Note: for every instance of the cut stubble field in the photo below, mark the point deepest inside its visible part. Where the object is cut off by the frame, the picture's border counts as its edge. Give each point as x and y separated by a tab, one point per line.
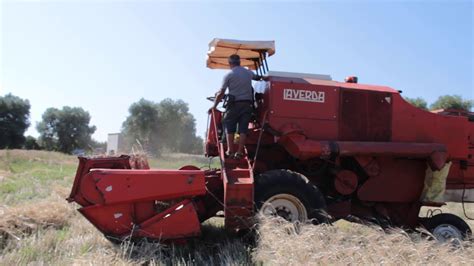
37	226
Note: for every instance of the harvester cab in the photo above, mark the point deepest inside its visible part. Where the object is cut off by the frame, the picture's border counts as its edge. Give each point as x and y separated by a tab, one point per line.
253	55
318	150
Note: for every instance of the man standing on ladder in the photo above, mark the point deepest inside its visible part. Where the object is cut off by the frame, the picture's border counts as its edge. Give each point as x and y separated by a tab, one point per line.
238	104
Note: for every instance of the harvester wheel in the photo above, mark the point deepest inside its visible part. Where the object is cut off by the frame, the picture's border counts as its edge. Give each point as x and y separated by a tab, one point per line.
290	195
446	226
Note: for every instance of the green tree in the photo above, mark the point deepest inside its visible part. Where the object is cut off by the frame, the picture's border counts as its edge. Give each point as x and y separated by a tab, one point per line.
142	124
177	125
167	125
65	129
451	102
14	120
31	144
418	102
188	141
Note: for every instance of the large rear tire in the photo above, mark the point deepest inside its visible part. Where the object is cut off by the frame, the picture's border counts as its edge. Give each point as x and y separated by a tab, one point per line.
447	226
289	195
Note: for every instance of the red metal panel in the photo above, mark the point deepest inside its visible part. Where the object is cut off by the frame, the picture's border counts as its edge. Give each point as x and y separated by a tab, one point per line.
468	176
354	116
365	115
313	128
293	100
141	185
179	221
85	165
143	211
110	219
398	181
312	108
411	124
393	149
238	198
461	177
379	116
88	190
303	148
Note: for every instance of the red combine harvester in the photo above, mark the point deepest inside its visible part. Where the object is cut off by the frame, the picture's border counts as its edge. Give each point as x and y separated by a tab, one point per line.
317	149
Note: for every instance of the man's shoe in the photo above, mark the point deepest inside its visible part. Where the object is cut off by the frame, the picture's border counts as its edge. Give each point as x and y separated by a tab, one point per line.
238	156
229	154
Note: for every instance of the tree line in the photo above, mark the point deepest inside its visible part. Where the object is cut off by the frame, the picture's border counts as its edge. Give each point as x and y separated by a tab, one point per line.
158	127
443	102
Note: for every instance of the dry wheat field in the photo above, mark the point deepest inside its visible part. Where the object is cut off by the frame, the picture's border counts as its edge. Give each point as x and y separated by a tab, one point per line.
38	227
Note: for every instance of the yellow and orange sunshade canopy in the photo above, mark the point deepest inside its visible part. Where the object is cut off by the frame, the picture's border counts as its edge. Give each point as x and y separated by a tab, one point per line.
250	52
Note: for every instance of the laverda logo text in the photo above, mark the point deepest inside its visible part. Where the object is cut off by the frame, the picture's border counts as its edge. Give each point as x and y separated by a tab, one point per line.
303	95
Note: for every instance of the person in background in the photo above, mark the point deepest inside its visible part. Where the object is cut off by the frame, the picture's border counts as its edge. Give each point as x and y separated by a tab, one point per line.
238	104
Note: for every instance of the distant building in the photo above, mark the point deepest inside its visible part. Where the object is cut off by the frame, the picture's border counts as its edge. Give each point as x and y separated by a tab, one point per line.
114	144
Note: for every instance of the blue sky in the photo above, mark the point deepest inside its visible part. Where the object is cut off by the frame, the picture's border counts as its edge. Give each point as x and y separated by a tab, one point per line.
105	55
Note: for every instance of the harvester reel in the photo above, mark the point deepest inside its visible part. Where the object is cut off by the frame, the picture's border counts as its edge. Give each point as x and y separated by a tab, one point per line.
289	195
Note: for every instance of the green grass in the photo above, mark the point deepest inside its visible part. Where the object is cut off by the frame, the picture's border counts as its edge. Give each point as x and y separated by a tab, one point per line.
33	177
